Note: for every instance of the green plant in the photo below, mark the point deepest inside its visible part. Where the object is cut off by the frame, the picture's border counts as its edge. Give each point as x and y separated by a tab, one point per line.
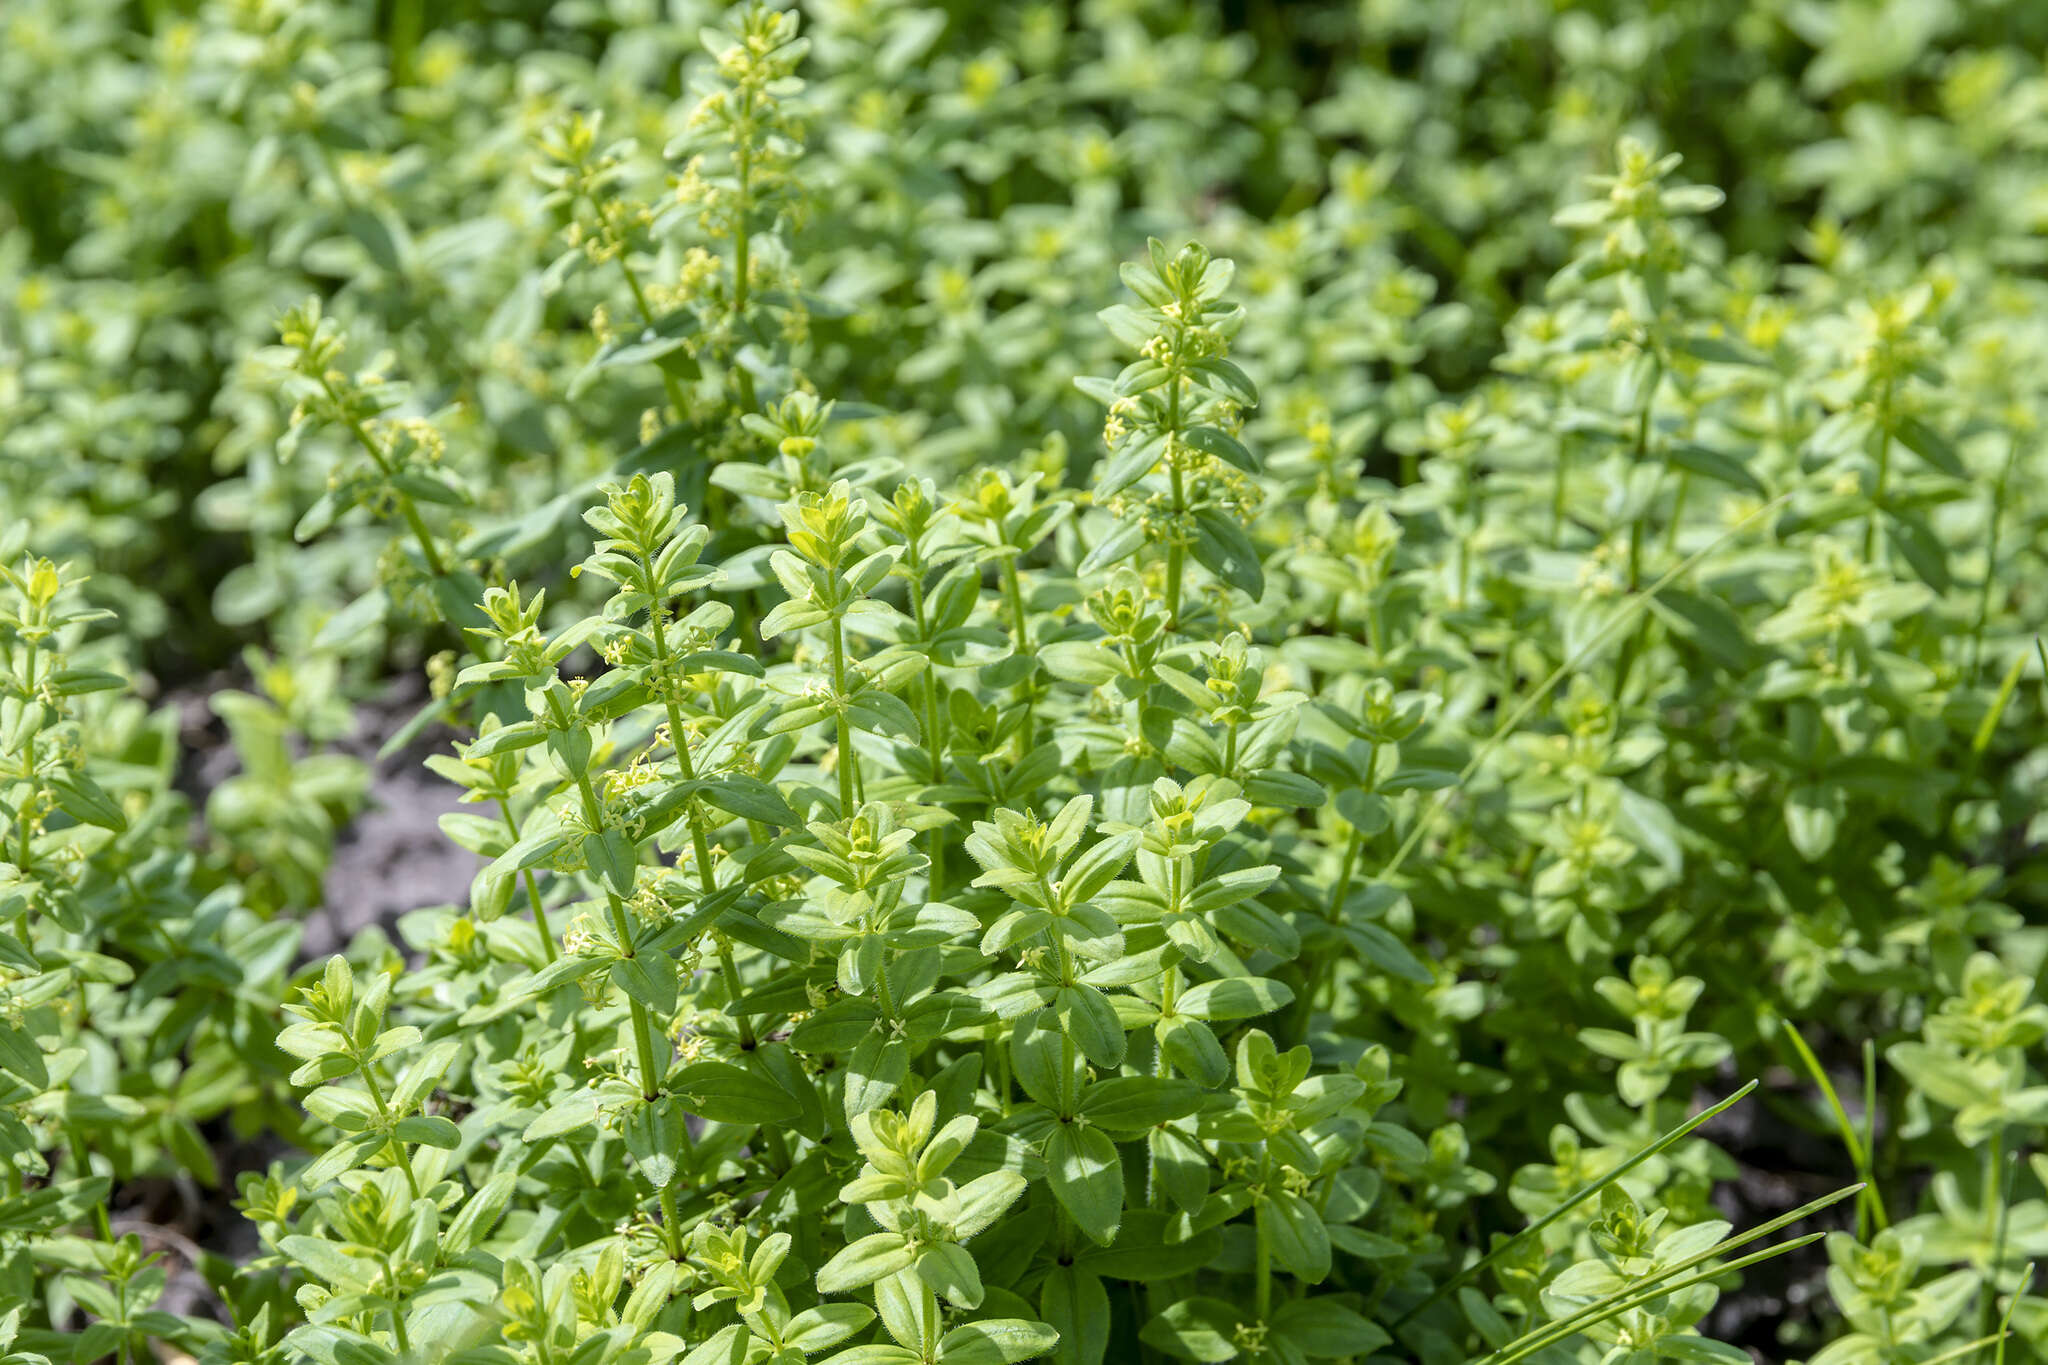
1034	790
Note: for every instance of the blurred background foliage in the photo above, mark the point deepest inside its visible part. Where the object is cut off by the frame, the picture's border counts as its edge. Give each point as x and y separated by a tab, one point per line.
177	174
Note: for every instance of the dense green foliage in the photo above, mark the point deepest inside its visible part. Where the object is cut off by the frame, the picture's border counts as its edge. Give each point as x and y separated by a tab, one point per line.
1128	682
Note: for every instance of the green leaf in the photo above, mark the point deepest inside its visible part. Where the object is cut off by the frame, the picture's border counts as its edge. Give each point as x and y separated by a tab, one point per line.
19	1054
1135	1103
1139	377
1203	1330
1080	661
863	1261
751	799
430	1129
85	801
1931	446
1145	283
331	1263
1226	378
1087	1177
1379	947
826	1325
1813	812
1224	446
1921	547
1130	462
1086	1015
1295	1232
877	1068
1705	1350
877	1353
572	1113
1708	624
610	854
1222	548
1323	1328
1234	997
1097	868
1143	1252
948	1269
1714	464
519	735
1719	350
1277	787
77	682
879	712
1075	1305
1040	1061
997	1341
725	1093
319	516
1193	1049
1181	1165
342	630
649	978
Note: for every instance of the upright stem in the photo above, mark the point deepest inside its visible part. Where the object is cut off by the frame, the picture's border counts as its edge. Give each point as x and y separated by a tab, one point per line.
395	1147
435	564
1559	473
846	755
1342	889
25	846
1303	1012
668	381
1169	991
1262	1286
643	1022
1353	844
1013	590
1003	1086
2012	452
935	873
1884	465
1994	1157
540	914
1176	552
81	1157
1465	531
1642	452
671	1222
1995	1210
742	243
700	845
651	1073
1677	512
778	1148
1625	663
1635	553
731	972
408	21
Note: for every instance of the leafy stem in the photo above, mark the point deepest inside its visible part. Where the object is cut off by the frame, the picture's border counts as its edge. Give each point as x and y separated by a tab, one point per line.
395	1148
846	764
548	948
622	930
406	507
